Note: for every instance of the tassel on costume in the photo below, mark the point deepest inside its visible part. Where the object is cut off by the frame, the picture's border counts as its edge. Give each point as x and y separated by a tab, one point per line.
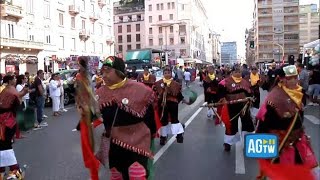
217	121
158	122
225	118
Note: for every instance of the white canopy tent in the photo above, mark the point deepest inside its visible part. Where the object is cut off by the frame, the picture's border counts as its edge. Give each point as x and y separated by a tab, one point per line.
310	45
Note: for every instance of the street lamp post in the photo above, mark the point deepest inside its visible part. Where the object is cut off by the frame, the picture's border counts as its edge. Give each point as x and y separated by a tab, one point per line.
165	25
279	52
278	44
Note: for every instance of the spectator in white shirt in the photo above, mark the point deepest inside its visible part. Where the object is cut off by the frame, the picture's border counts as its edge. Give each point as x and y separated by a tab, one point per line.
55	93
21	82
187	77
62	94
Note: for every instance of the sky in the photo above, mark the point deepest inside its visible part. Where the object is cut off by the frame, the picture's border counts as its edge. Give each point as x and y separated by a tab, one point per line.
230	18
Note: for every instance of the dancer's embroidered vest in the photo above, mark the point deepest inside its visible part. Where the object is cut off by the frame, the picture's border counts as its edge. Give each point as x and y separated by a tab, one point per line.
133	98
149	82
235	90
213	84
173	90
285	108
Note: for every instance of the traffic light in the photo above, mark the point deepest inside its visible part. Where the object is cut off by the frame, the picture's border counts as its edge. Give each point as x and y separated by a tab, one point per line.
163	58
251	44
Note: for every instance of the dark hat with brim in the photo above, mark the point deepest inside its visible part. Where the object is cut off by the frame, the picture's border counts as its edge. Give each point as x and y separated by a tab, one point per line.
115	63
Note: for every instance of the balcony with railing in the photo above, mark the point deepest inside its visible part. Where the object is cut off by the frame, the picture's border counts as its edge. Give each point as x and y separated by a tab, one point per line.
94	16
262	4
265	21
265	50
265	31
315	20
287	3
129	20
18	43
128	9
291	10
9	10
74	10
291	50
265	13
291	22
84	34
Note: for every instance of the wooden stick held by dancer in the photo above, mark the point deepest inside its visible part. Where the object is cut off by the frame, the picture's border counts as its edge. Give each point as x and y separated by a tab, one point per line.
228	102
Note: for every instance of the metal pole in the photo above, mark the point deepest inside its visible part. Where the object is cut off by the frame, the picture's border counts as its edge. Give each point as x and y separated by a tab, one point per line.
165	51
279	47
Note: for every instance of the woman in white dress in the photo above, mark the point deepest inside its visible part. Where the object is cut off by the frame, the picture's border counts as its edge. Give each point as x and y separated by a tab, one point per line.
55	93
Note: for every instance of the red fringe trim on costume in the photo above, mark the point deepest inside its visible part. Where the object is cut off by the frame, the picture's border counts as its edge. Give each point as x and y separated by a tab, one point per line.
127	108
131	148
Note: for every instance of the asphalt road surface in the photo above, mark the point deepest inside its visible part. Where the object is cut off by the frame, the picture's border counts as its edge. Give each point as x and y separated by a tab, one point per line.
54	152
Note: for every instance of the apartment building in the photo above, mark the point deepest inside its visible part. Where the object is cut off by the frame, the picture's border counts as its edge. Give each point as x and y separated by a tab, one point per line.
229	53
49	34
179	27
276	28
309	23
249	43
129	27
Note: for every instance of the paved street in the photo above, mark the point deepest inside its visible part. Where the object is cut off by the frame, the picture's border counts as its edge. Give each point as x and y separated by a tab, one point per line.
54	152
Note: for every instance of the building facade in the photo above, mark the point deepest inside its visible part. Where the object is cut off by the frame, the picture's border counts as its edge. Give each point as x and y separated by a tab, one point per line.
129	27
47	34
215	47
249	43
179	27
229	53
309	24
276	27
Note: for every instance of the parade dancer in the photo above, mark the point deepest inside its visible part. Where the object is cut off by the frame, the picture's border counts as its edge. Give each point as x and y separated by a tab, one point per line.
129	120
89	111
255	82
169	97
231	89
282	114
146	77
210	86
10	100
